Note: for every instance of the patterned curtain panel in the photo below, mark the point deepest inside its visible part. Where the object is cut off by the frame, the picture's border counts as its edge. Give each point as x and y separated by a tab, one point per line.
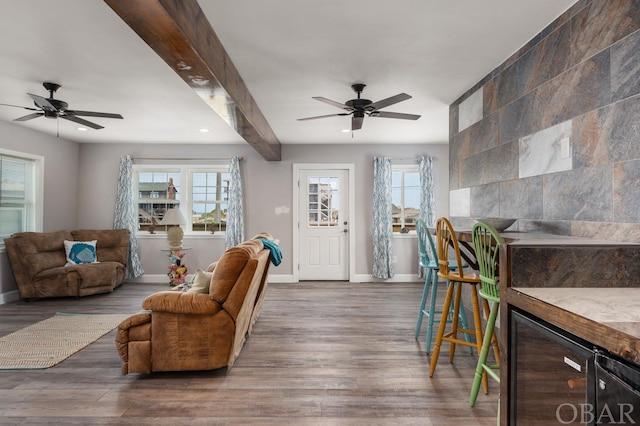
382	220
125	215
235	215
427	198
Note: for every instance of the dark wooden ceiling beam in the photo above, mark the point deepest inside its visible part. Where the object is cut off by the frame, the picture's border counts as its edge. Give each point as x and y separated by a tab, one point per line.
179	32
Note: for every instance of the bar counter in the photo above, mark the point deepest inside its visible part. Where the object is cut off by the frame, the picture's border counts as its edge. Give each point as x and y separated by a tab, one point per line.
587	287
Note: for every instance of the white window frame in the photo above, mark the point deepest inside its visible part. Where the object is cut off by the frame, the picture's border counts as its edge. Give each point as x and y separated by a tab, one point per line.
186	185
405	168
34	198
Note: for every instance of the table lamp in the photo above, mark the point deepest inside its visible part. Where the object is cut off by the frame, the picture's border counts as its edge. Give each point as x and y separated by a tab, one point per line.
174	218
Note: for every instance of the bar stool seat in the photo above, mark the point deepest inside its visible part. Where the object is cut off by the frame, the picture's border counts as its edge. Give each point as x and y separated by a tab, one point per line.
429	264
487	241
446	240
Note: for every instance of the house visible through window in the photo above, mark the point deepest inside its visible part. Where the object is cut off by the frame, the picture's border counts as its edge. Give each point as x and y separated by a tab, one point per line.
405	188
20	193
200	193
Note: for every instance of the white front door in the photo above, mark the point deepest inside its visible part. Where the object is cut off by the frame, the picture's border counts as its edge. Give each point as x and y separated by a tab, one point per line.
323	224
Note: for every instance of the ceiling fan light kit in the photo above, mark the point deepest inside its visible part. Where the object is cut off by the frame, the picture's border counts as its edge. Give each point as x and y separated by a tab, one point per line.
359	107
56	108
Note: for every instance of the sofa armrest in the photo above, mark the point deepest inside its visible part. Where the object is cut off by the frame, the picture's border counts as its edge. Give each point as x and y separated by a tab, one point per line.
133	342
181	303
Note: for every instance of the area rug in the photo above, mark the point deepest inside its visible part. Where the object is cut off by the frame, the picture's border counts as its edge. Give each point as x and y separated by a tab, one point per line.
49	342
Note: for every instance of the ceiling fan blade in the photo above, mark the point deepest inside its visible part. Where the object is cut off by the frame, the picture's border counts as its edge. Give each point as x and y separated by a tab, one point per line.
19	106
334	103
356	123
323	116
388	101
30	116
92	114
385	114
81	121
43	103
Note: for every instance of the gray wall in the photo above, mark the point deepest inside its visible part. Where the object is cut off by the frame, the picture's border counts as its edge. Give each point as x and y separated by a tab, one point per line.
60	181
566	106
81	181
267	185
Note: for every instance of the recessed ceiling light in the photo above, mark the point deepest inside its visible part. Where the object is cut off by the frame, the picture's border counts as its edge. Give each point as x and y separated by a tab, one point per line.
82	129
345	130
204	130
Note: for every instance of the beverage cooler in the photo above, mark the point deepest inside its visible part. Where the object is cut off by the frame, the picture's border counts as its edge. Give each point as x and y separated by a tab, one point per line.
560	379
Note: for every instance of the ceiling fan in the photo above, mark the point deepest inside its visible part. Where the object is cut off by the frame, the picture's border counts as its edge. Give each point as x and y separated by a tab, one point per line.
55	108
358	108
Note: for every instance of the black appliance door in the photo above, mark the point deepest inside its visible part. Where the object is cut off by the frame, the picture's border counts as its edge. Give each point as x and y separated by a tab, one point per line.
551	374
617	392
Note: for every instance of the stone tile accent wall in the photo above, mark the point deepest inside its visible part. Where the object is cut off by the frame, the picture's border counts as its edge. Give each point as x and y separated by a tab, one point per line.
558	142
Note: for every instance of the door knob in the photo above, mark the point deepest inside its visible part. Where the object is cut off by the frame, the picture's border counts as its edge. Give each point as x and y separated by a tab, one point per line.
345	230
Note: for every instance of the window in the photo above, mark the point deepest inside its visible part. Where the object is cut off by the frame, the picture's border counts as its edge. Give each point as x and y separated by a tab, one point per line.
405	189
201	194
210	200
20	193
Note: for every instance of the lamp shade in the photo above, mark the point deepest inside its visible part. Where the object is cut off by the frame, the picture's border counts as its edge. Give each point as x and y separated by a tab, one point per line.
173	217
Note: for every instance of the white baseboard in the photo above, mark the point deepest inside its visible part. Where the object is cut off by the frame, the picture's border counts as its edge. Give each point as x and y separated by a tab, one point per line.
10	296
159	278
398	278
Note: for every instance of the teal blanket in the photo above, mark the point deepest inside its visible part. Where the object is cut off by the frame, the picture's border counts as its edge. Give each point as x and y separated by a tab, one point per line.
276	254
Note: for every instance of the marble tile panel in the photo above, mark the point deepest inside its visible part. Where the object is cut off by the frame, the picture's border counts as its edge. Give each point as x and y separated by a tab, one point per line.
459	146
508	84
521	198
625	67
490	97
542	62
607	135
460	202
575	266
626	191
593	30
490	166
485	200
515	119
591	136
482	135
548	59
542	152
453	121
580	194
583	88
470	110
614	231
556	227
454	174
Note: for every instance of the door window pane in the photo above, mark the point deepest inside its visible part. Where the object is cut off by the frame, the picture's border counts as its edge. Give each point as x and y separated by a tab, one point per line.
323	202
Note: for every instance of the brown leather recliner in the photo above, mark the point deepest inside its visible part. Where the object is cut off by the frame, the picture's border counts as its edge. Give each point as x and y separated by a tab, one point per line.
196	331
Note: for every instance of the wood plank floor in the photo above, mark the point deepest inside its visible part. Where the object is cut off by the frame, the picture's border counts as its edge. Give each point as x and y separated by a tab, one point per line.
322	353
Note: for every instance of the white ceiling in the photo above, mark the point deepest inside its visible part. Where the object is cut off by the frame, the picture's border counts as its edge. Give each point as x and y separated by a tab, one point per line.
286	51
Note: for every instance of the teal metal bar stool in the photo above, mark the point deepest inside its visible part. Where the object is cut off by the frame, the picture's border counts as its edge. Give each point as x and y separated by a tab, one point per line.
429	264
486	242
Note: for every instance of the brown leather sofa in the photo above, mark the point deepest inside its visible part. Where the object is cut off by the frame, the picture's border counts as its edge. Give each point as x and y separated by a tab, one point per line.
38	261
198	331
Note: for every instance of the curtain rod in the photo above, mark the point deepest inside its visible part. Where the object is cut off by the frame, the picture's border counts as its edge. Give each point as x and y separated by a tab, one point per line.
184	158
410	159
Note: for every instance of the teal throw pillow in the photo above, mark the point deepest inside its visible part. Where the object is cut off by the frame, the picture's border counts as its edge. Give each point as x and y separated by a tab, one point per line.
80	252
